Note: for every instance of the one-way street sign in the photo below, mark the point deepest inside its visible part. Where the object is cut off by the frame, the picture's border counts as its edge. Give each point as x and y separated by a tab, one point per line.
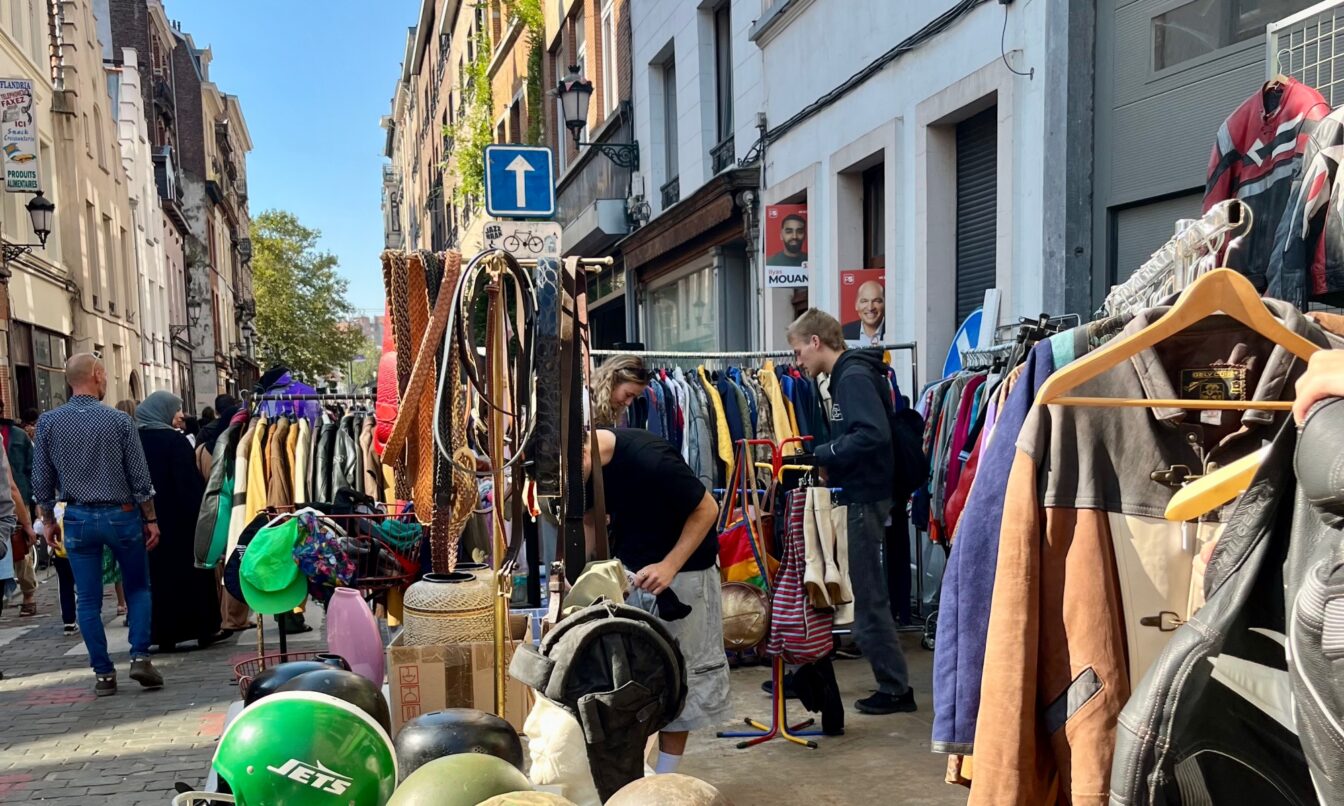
519	182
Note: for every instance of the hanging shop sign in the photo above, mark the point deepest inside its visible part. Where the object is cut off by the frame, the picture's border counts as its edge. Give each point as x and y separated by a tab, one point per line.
786	246
524	239
18	135
863	306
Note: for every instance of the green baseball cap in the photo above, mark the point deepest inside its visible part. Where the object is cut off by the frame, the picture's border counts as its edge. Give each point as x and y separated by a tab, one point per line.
268	575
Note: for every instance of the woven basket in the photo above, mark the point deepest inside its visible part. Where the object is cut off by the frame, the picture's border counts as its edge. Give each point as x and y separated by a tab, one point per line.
454	608
478	570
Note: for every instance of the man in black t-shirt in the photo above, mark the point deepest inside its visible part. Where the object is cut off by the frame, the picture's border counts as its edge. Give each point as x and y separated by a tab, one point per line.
663	527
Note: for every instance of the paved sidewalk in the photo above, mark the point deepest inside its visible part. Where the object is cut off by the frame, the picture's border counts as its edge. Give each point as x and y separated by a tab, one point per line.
60	744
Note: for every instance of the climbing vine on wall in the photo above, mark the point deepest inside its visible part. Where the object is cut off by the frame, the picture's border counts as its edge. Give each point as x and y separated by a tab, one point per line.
534	20
474	130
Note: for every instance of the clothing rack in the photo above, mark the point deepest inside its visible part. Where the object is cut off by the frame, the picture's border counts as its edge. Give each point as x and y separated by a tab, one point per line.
332	396
911	346
985	358
1168	270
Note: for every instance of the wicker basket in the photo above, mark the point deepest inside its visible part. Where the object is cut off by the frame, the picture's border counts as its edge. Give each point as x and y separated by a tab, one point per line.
454	608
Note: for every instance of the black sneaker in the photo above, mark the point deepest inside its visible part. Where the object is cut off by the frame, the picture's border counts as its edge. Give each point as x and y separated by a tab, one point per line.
882	703
71	629
144	673
105	685
789	692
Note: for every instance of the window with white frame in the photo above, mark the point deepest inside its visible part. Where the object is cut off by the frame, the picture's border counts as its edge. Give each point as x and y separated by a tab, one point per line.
610	92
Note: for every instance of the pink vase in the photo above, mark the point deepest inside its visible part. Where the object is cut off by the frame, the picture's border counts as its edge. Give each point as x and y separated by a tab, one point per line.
352	633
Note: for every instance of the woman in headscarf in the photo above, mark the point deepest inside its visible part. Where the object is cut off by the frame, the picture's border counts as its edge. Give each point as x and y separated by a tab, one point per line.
185	598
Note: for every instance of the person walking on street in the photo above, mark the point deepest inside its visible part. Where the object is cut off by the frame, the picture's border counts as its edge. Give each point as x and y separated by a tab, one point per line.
185	605
860	461
89	456
8	522
19	451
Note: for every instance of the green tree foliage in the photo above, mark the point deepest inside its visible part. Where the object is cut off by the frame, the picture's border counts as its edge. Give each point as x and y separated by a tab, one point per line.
301	304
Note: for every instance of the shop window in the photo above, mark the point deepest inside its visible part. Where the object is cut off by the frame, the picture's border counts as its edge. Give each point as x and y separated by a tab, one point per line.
1199	27
681	314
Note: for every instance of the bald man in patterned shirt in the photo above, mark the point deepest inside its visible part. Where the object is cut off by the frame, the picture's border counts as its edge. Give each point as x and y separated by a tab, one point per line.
89	456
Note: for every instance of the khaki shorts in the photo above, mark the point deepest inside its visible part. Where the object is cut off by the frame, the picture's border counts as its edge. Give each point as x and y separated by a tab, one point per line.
700	636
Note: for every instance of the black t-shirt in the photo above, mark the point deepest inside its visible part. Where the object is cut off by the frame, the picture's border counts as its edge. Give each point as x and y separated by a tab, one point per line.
650	492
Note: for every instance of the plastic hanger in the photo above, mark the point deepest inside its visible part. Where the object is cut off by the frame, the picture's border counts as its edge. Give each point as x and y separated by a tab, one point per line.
1220	291
1203	495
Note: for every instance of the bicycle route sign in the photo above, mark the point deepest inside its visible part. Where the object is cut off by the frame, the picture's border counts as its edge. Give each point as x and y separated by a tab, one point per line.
524	239
519	182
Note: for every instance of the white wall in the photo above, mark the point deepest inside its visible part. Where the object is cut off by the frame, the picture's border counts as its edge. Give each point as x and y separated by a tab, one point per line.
898	112
686	29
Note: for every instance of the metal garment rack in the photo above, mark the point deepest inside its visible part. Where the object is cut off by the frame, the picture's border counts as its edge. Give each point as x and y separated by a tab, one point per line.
911	346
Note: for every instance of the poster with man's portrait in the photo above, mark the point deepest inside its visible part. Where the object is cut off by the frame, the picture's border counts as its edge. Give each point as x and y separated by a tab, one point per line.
863	306
786	246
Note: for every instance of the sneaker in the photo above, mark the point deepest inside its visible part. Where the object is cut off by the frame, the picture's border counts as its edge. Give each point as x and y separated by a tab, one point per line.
71	629
144	673
789	692
105	685
882	703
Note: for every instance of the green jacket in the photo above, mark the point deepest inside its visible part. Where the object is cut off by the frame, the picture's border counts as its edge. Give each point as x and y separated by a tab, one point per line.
20	455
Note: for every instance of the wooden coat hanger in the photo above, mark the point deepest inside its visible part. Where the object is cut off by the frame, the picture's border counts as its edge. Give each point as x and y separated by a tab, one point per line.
1219	291
1205	494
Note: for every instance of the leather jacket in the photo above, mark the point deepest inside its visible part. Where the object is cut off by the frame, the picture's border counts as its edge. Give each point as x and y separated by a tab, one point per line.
1211	721
1314	583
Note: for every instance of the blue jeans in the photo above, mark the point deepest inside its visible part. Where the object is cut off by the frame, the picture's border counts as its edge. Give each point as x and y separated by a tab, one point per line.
87	530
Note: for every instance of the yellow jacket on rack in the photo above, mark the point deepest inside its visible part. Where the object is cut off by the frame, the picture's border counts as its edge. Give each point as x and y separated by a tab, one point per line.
780	417
256	473
725	440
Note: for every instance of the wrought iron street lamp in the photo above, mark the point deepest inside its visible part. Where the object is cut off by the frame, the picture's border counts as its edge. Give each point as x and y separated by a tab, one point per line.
574	92
40	211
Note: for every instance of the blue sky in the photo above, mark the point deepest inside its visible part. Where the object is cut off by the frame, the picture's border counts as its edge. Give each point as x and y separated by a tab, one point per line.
314	76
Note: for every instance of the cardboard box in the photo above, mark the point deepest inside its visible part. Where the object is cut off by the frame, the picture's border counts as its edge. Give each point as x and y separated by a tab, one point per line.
429	678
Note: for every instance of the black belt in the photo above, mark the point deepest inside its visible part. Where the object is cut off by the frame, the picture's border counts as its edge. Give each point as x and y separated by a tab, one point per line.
101	505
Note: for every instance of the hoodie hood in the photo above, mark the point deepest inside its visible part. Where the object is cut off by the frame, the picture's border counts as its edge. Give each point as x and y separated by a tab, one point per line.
869	358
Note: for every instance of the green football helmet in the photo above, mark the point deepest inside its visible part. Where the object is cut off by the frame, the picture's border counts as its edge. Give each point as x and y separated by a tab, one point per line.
464	779
302	748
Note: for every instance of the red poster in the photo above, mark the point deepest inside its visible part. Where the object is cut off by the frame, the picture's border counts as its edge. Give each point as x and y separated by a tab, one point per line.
786	245
863	306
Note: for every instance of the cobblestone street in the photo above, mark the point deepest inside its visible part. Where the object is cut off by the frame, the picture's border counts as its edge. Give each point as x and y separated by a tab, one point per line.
60	744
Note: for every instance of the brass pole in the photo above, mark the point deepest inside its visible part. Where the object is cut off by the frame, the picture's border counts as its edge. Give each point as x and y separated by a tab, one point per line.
498	348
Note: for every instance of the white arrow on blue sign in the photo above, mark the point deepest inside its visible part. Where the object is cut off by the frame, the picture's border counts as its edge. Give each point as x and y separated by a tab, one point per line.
519	182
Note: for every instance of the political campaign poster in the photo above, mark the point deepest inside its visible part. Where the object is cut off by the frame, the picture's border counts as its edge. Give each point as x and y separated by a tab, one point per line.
786	246
863	306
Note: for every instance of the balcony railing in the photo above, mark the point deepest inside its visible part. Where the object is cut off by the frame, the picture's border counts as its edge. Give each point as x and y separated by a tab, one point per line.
163	93
672	192
723	155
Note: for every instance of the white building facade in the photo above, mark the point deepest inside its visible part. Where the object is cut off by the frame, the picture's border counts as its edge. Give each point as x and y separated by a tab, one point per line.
149	255
930	171
696	87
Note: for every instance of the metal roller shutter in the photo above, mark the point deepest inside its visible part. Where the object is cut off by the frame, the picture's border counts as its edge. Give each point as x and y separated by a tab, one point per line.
1141	230
977	208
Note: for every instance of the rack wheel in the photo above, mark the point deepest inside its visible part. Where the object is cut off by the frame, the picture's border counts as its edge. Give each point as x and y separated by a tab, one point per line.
930	631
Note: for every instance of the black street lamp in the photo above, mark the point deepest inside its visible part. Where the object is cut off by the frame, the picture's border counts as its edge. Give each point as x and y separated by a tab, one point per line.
574	92
40	211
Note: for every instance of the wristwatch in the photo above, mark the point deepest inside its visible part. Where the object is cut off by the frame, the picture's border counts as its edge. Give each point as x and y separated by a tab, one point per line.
151	520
